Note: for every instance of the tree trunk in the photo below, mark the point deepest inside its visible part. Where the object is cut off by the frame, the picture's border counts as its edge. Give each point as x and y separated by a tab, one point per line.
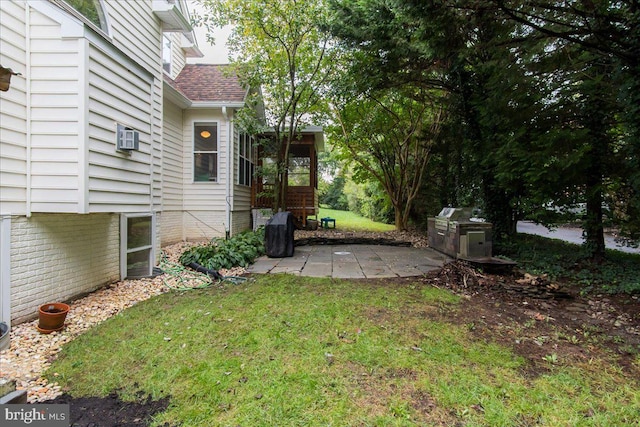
400	222
593	229
596	117
281	181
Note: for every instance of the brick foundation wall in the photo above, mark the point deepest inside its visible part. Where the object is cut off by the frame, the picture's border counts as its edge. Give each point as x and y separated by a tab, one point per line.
203	225
55	257
170	224
241	222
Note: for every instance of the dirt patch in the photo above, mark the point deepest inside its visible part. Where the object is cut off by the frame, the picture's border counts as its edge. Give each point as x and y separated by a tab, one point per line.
111	411
544	322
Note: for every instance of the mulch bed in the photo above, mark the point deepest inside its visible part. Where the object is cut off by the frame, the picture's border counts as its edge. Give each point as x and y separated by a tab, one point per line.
111	411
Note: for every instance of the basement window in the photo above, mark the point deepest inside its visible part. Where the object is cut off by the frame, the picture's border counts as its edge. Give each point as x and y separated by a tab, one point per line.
137	237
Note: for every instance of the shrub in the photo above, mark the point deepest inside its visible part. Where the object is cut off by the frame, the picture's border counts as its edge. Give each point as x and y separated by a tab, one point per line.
239	251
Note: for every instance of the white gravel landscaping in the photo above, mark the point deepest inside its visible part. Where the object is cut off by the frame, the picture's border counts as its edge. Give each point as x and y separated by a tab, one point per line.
31	352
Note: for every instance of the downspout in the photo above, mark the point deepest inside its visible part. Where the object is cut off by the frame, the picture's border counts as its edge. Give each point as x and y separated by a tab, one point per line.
229	177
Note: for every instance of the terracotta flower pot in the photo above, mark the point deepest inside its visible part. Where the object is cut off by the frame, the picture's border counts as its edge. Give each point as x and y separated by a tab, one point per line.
51	317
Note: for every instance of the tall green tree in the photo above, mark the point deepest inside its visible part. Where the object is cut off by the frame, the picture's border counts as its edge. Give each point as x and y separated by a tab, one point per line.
542	105
389	134
460	48
277	46
609	32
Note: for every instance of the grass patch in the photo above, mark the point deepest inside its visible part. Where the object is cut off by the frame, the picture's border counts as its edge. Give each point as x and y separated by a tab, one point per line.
619	273
350	221
290	351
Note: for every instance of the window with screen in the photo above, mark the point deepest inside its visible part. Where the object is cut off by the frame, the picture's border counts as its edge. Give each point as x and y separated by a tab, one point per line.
205	152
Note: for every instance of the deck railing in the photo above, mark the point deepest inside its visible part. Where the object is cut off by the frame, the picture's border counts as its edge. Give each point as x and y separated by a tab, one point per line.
301	201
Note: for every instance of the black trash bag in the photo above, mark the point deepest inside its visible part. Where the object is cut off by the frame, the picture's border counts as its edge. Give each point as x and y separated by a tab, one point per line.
278	235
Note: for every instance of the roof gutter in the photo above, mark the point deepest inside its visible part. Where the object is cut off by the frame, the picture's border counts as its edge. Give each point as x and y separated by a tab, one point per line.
175	96
217	104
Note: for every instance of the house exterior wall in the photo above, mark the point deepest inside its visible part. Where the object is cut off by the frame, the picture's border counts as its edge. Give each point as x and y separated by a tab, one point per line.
59	154
172	173
63	183
203	225
119	181
197	210
204	202
171	227
55	257
13	111
241	194
54	105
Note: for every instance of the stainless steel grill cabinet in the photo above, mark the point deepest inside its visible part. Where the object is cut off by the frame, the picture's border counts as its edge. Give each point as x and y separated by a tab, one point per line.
454	233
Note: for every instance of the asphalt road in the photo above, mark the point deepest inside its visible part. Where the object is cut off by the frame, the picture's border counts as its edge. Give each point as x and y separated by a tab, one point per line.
569	234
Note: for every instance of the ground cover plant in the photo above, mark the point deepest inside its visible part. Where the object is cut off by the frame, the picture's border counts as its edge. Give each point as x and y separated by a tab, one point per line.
287	350
349	221
619	272
238	251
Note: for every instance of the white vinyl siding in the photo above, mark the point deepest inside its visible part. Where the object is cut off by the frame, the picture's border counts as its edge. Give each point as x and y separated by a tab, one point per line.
172	187
137	32
156	145
79	89
55	110
13	112
118	182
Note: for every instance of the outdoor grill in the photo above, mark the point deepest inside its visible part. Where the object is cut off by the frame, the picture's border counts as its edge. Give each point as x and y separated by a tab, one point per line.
454	233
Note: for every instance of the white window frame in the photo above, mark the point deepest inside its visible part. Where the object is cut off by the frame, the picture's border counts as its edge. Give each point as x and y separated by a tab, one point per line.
124	240
194	152
247	158
167	54
102	11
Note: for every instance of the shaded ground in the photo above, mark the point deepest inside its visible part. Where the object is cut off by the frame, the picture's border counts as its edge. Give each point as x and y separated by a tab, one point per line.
539	319
545	323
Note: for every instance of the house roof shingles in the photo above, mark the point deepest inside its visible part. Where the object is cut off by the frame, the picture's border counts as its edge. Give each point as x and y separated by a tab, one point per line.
210	83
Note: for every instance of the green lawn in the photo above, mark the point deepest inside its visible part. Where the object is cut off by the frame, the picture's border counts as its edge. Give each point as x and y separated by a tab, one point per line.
349	221
295	351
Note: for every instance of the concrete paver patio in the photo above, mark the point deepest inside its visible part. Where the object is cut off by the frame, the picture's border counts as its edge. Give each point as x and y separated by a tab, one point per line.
353	261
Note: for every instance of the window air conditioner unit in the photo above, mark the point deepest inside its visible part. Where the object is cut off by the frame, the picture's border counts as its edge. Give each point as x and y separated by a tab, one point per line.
128	139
